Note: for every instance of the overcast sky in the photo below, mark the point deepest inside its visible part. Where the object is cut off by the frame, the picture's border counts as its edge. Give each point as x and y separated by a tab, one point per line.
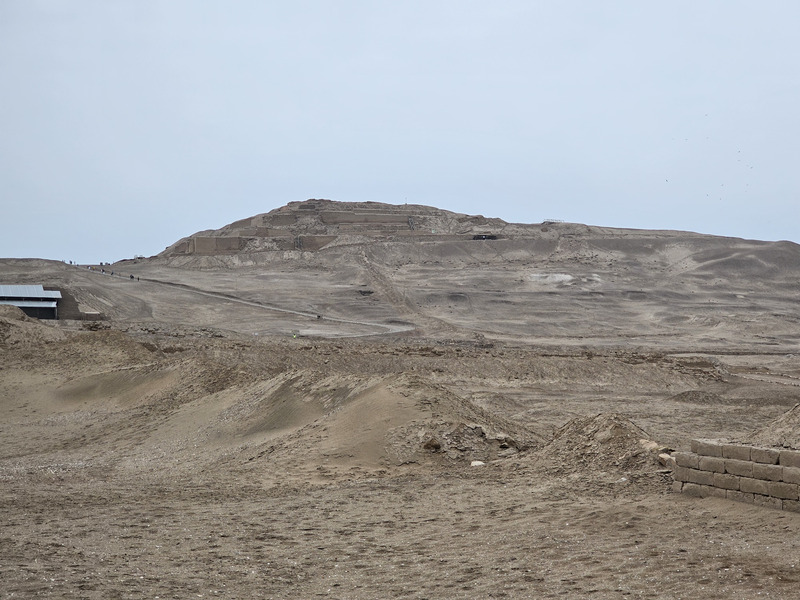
128	124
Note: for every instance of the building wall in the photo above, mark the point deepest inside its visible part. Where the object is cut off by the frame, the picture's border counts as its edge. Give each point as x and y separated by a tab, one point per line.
215	245
336	217
754	474
40	312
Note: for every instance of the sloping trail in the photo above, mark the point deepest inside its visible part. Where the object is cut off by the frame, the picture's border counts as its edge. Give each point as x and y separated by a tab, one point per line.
779	378
402	303
383	328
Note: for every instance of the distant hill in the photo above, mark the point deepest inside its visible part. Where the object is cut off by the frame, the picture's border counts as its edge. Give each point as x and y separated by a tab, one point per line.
324	268
441	235
316	224
549	280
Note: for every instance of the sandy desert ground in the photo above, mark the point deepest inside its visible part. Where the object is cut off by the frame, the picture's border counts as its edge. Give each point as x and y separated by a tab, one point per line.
304	423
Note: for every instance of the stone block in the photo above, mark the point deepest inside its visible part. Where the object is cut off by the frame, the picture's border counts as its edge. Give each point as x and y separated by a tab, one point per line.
791	474
714	492
754	486
739	496
791	505
676	487
680	474
713	464
736	451
786	491
687	459
767	472
726	481
707	447
768	456
743	468
667	460
789	458
701	477
768	501
696	490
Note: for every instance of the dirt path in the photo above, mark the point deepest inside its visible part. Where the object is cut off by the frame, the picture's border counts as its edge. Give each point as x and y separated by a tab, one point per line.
402	303
381	328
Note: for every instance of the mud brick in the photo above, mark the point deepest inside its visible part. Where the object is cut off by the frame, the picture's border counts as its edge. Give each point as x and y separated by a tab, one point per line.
736	451
687	459
692	489
768	501
791	475
701	477
680	474
767	472
676	487
739	467
696	490
768	456
710	463
725	481
791	505
707	448
789	458
786	491
754	486
739	496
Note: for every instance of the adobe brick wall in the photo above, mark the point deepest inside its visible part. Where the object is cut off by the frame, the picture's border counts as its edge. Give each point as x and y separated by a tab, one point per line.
332	217
765	476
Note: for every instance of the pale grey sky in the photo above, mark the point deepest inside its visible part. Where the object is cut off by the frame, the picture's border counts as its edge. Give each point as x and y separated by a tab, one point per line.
128	124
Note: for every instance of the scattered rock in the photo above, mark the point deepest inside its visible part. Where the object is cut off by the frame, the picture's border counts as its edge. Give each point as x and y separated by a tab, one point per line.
432	445
606	442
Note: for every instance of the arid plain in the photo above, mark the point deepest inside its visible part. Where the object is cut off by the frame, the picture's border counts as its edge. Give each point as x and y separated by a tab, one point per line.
359	400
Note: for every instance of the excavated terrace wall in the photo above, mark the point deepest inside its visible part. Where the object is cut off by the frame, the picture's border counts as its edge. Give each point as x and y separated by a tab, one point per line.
347	217
754	474
209	245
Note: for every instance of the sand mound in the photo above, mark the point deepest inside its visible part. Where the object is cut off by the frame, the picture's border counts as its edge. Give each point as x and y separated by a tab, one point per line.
192	414
606	442
17	329
453	429
12	313
783	431
344	421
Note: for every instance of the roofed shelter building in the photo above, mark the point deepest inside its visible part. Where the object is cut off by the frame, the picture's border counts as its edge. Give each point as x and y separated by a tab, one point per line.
33	300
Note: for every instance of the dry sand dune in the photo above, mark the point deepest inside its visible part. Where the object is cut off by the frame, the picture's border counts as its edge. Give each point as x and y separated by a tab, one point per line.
366	401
